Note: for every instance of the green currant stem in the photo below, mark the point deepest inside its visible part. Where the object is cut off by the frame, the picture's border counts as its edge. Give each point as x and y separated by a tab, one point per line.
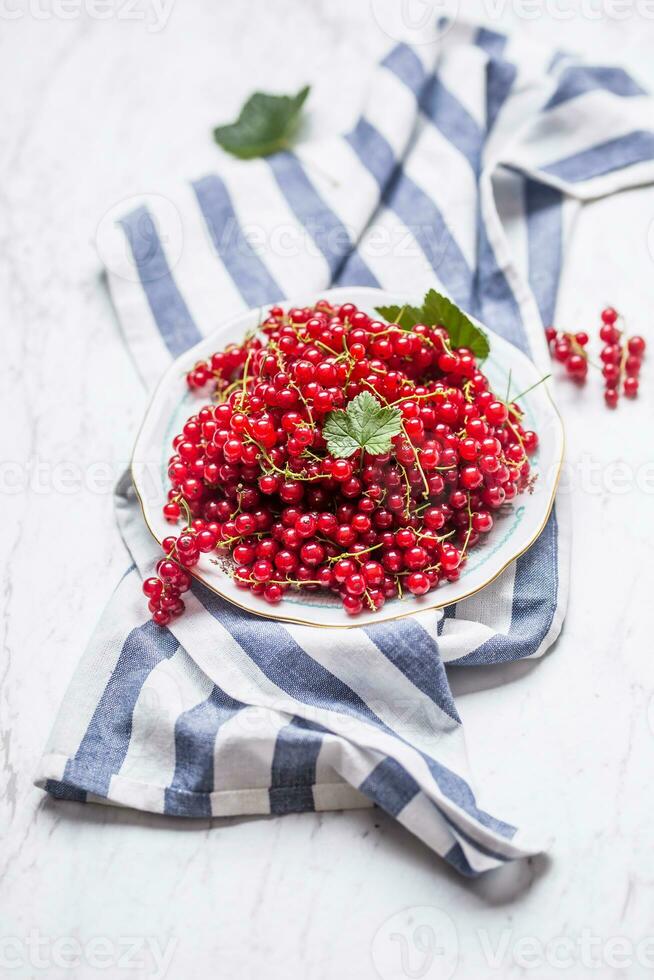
469	531
180	499
354	554
531	387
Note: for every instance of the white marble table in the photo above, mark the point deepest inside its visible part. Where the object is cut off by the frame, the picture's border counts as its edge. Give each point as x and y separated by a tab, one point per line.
94	111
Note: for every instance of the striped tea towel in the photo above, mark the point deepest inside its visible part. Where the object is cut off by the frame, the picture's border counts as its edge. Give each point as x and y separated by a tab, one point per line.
463	172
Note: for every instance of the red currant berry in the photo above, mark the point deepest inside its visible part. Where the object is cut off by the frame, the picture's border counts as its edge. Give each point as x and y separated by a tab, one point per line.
497	413
630	387
610	354
273	593
611	373
609	334
172	511
352	604
152	588
418	583
167	570
262	570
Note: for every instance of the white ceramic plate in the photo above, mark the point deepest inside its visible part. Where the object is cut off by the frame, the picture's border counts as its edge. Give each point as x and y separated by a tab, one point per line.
516	527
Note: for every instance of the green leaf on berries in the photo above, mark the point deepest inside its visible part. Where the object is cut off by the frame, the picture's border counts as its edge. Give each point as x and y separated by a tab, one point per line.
365	424
405	316
438	310
265	125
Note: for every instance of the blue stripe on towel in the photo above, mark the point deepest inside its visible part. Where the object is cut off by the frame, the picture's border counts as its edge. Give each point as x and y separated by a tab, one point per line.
353	271
453	120
293	771
492	300
174	321
373	150
534	604
325	227
456	857
544	210
500	76
390	786
576	80
62	791
472	841
491	42
406	64
424	220
415	653
104	746
449	612
250	275
195	739
604	158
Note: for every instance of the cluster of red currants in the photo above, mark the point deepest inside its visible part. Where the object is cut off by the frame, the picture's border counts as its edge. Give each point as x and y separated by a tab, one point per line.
621	358
164	591
569	349
254	480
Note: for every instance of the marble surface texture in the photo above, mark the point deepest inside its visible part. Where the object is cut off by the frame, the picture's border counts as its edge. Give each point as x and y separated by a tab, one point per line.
94	110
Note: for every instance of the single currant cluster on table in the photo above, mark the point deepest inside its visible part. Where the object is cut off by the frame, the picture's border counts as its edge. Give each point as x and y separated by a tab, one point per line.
340	453
621	356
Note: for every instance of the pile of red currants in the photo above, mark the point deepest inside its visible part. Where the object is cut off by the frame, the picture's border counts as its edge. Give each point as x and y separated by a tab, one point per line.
256	482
